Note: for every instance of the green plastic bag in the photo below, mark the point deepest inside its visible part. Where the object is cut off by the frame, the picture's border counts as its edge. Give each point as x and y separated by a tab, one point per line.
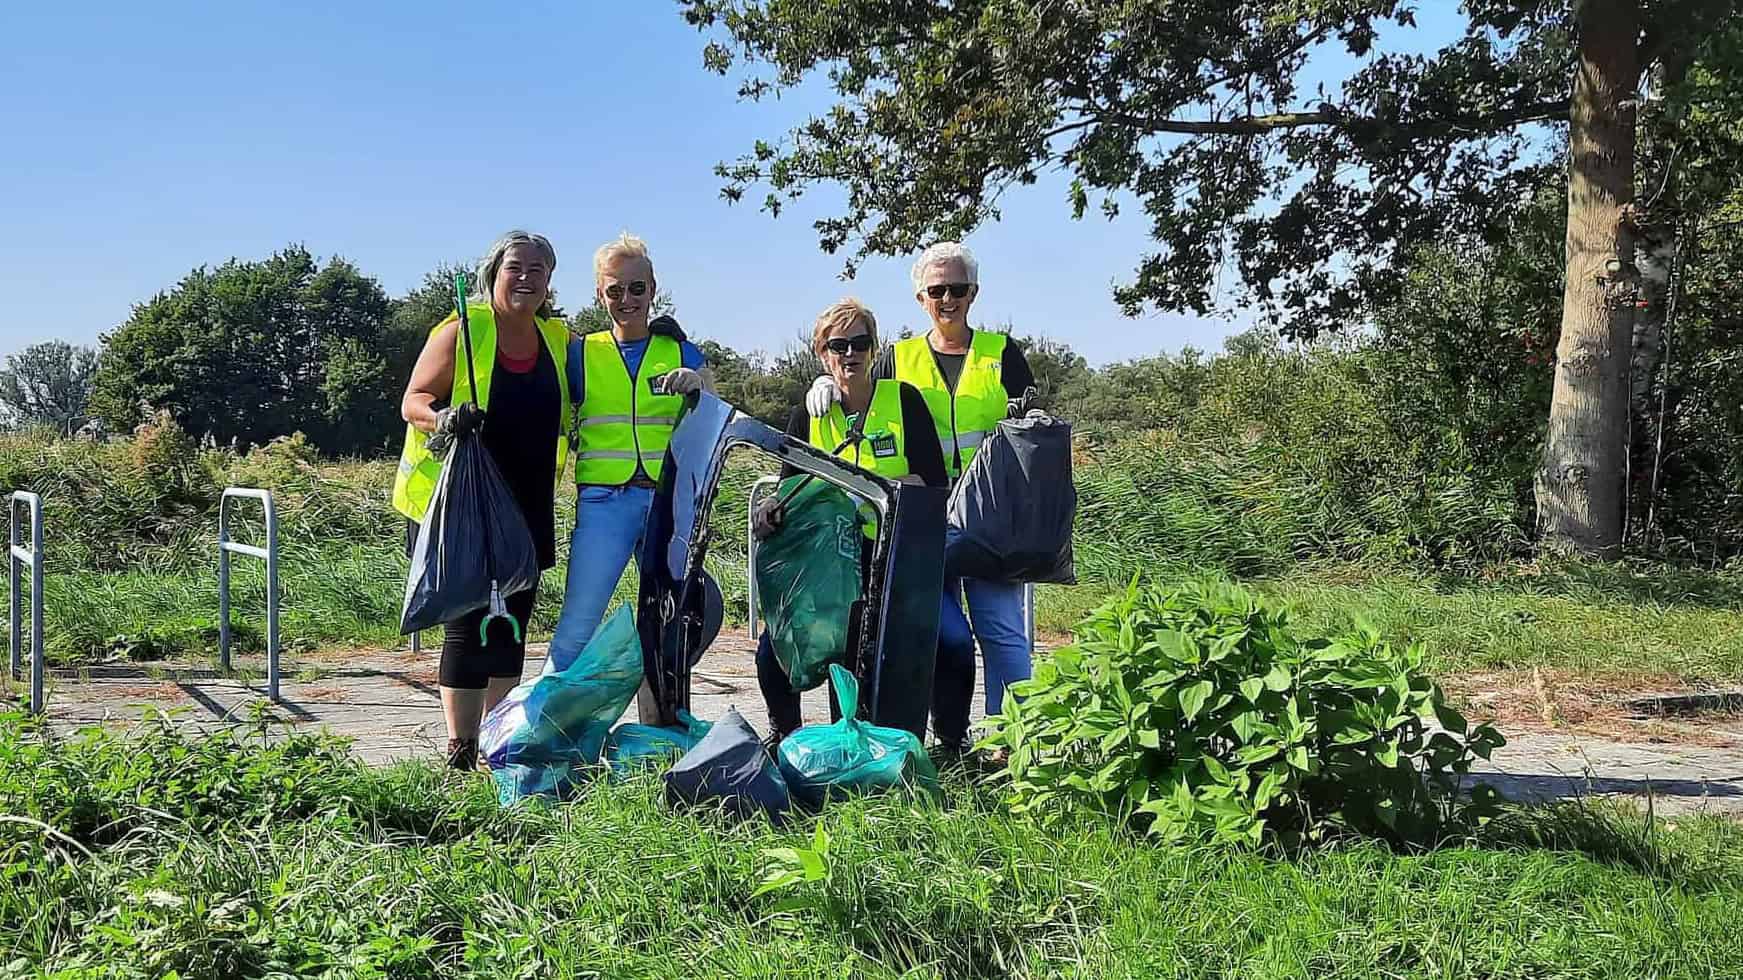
808	580
631	745
852	755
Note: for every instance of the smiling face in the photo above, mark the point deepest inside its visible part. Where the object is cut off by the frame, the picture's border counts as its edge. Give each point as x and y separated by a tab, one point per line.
853	365
626	290
523	280
947	278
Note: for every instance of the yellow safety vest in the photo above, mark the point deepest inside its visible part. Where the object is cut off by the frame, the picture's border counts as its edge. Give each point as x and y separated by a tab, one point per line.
621	421
419	468
882	448
968	416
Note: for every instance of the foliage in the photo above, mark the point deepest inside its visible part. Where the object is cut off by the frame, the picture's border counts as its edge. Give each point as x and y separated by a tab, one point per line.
1216	120
262	853
250	351
49	385
1198	712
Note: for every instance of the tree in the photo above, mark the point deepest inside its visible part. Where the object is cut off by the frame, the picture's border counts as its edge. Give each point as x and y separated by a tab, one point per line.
1205	114
250	351
48	384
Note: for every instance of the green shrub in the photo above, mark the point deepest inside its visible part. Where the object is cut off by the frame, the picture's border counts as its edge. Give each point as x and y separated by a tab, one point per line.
1197	711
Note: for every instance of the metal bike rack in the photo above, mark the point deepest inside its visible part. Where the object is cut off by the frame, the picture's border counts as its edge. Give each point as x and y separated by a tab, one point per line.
270	555
17	557
761	488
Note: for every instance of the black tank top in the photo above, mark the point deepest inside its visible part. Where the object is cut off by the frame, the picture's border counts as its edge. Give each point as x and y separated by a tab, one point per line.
520	431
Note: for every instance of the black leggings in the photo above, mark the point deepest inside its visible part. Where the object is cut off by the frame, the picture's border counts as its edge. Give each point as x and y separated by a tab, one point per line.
469	663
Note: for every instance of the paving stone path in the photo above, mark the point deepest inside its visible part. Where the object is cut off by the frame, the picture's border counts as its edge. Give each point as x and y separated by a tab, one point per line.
386	701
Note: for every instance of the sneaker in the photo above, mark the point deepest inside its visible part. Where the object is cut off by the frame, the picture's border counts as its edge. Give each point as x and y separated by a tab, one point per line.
772	744
463	754
949	754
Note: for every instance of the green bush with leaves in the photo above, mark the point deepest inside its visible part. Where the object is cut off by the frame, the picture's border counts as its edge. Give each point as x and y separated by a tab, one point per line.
1196	711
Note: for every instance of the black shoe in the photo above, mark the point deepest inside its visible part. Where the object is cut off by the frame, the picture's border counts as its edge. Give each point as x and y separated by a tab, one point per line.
772	744
950	753
463	754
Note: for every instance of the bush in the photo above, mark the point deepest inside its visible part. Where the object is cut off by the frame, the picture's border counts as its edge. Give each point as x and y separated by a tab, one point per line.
1197	711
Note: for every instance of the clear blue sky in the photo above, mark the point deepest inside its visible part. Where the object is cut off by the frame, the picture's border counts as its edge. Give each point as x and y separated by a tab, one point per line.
147	139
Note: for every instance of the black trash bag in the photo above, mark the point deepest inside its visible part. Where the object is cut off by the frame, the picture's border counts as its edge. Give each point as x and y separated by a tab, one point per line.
731	769
1011	514
474	547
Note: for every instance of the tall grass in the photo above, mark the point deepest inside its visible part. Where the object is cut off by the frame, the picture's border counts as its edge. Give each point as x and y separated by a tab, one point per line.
238	856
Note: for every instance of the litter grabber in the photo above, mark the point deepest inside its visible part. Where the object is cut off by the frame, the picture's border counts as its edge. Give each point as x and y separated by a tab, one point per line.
893	639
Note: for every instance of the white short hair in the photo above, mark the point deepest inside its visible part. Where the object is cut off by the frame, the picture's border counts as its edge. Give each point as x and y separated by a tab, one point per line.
945	252
624	246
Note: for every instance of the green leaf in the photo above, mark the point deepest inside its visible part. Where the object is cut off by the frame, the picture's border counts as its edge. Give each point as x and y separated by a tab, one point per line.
1193	697
1279	678
1252	688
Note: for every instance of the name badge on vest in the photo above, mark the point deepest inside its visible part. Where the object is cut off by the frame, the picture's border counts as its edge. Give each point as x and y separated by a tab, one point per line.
883	445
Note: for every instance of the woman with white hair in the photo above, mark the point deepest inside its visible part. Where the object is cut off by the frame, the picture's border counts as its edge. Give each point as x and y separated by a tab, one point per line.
518	348
969	379
629	388
893	436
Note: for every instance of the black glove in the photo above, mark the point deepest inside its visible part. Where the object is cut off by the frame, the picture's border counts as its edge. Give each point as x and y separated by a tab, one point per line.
462	419
1016	408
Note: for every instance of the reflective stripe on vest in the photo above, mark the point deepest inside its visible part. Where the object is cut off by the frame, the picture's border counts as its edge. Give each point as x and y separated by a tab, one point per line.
622	423
419	469
882	447
966	417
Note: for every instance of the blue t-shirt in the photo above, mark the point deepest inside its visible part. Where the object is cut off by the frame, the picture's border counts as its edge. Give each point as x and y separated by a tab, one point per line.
689	355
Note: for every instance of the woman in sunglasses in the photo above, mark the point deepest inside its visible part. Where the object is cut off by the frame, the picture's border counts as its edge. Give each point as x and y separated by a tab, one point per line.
969	379
881	426
629	384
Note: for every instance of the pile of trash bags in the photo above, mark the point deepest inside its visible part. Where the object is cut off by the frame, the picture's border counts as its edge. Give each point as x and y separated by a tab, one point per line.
808	579
553	733
1010	516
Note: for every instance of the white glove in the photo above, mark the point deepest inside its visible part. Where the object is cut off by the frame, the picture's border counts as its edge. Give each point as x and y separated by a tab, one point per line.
823	394
683	381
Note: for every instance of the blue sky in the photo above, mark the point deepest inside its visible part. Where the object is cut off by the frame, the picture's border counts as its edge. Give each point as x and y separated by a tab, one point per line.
151	138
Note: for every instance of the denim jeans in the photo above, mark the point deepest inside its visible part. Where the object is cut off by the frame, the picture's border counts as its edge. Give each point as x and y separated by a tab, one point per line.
608	532
994	619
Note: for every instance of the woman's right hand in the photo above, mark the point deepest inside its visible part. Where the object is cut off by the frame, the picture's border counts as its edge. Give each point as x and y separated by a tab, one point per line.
824	393
768	517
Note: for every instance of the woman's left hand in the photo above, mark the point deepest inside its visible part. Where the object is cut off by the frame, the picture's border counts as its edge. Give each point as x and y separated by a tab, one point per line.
683	381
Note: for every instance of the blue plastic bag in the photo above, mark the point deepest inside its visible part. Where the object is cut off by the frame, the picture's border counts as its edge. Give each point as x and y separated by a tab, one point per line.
631	745
852	755
562	719
730	770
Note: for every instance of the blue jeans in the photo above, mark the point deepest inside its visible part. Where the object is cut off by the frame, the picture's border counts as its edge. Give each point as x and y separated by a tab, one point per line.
996	612
608	531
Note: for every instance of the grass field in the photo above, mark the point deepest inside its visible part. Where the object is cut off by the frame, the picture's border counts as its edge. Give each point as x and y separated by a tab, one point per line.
150	855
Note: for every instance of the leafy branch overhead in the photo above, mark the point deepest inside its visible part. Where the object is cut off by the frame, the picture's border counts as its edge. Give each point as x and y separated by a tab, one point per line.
1207	116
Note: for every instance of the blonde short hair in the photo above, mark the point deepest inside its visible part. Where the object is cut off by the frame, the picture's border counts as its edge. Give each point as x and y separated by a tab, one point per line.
624	246
839	316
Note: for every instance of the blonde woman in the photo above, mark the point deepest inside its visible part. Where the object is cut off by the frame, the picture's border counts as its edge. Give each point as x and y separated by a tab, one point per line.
629	388
895	439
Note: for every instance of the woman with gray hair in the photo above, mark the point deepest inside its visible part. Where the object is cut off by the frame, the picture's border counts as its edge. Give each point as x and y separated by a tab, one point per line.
970	379
522	415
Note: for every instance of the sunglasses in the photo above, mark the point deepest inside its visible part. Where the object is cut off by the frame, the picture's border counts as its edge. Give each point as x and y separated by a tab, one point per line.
841	345
957	290
615	291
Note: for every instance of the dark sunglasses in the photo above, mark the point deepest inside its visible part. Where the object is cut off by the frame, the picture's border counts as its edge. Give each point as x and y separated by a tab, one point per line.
841	345
957	290
638	287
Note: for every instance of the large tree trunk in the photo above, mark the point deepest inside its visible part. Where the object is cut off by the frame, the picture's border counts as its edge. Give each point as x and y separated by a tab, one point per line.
1580	486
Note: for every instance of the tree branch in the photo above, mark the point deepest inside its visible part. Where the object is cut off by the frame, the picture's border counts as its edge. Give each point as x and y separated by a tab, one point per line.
1273	122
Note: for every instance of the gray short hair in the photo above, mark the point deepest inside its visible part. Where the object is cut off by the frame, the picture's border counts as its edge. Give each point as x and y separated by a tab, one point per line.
946	252
485	281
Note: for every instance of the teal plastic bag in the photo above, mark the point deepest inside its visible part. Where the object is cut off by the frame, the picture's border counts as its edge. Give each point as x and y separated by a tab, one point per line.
808	579
632	745
557	721
852	755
